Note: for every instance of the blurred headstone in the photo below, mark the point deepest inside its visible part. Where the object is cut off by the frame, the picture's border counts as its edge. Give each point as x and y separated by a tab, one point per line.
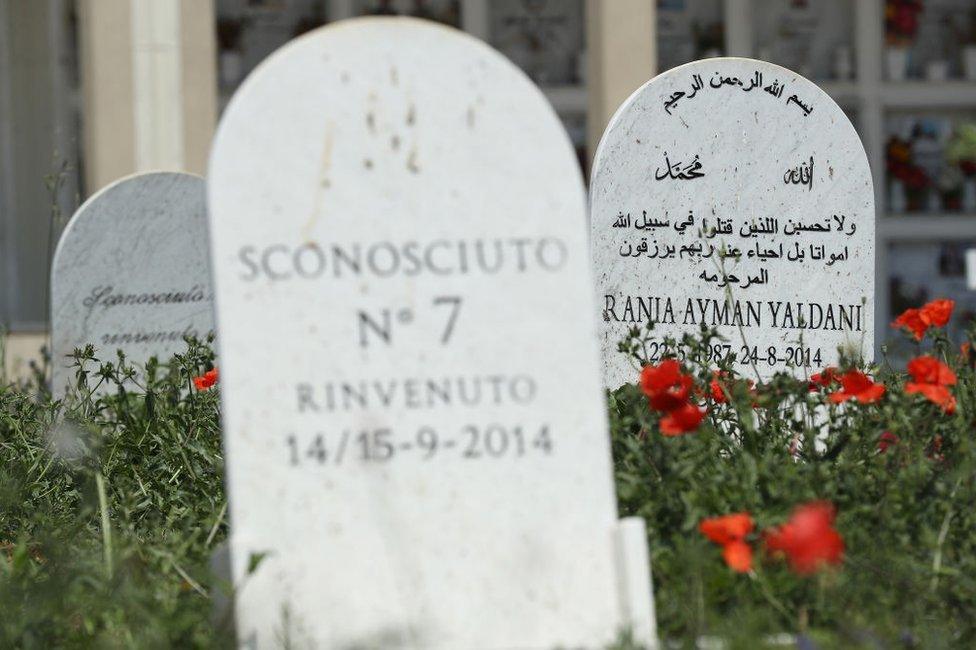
132	273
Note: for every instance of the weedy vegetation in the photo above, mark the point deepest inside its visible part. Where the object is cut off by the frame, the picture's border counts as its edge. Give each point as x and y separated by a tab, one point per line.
112	503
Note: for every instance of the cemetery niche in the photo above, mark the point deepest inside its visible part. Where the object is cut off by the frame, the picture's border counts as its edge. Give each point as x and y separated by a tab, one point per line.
415	429
132	273
735	194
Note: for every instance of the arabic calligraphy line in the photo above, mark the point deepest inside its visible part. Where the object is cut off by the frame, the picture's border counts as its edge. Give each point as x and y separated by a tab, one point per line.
675	171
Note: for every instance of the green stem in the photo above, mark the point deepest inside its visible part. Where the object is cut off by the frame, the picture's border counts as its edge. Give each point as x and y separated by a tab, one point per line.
216	525
106	528
720	264
943	533
777	605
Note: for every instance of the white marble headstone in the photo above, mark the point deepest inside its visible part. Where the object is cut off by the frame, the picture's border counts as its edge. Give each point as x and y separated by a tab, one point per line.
132	273
734	193
415	432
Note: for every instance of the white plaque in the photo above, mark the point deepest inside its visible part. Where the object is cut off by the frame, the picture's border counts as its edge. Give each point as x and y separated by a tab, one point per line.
132	273
415	429
734	193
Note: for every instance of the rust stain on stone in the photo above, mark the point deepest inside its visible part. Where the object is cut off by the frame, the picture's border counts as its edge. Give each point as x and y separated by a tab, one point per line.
324	179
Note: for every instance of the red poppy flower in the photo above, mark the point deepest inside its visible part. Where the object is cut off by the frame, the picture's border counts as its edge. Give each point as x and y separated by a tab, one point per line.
937	312
721	383
931	378
668	390
665	385
727	528
911	319
738	556
938	395
824	378
729	532
929	370
887	439
808	539
716	389
857	386
681	420
206	380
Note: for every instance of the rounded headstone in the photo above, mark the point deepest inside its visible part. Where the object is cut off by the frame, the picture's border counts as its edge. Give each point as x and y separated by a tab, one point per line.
736	194
131	273
415	429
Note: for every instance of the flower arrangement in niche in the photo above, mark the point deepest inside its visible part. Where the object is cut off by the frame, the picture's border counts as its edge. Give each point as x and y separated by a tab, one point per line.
961	150
909	178
901	21
961	154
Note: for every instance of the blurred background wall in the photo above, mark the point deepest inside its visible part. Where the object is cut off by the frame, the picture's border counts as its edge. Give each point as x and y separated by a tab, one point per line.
92	90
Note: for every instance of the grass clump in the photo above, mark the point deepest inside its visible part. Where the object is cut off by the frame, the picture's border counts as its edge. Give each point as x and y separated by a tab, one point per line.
111	503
